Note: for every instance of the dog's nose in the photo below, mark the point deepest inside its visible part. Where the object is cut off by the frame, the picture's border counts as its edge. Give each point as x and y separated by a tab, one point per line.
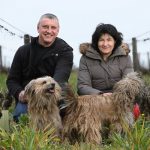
52	85
51	88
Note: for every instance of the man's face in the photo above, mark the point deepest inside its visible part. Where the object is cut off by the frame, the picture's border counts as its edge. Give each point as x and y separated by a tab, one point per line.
48	30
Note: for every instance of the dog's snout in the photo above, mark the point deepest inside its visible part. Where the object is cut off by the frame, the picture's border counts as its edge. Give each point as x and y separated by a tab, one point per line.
51	88
52	85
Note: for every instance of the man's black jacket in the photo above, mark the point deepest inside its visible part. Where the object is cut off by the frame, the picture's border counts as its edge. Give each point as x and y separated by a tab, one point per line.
33	60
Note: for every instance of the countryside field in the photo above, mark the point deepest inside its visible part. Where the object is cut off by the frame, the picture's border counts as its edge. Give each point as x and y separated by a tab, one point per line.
72	80
21	137
3	81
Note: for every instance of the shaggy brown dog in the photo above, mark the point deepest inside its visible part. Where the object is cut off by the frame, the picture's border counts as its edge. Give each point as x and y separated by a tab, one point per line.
42	95
85	115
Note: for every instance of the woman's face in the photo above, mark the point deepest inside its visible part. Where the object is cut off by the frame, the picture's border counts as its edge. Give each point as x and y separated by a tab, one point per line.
106	44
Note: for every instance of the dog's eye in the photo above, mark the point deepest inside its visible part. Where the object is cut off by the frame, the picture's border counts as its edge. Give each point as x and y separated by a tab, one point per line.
32	93
44	82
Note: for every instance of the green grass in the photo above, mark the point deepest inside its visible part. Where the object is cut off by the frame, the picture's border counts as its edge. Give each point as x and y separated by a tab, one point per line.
147	79
22	137
136	138
3	81
73	81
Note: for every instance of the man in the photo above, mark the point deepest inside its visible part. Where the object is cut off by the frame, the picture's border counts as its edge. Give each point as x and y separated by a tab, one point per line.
45	55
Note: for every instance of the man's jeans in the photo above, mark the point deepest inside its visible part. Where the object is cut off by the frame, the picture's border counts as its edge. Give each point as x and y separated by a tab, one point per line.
21	108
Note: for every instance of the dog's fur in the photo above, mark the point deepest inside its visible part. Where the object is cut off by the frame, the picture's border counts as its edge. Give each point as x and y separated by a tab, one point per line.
85	115
143	100
42	95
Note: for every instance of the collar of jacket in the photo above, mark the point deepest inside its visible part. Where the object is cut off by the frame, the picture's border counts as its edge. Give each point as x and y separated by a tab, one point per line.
91	53
34	42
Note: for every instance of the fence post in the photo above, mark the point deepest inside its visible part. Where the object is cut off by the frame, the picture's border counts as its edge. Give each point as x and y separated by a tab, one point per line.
1	62
135	55
27	39
148	57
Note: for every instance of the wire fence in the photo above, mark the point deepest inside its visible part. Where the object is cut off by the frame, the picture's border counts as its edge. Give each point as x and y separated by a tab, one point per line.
11	38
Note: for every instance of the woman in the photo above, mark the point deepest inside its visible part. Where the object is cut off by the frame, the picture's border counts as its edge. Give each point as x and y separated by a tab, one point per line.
103	62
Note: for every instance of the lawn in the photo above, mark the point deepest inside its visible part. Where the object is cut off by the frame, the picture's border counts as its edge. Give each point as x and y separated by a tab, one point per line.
21	137
3	81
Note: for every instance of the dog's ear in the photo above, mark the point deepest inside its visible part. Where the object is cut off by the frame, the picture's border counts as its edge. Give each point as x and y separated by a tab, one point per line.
29	89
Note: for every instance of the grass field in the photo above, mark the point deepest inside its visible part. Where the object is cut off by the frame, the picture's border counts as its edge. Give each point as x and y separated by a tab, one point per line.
147	78
21	137
3	81
72	80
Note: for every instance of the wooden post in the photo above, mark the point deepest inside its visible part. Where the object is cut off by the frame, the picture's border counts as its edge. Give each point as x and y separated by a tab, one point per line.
148	57
27	39
135	55
1	62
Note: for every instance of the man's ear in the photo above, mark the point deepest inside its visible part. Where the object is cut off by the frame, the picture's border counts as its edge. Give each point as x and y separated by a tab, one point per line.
38	27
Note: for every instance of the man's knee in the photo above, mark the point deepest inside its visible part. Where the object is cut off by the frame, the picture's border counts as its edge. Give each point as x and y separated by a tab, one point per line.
21	108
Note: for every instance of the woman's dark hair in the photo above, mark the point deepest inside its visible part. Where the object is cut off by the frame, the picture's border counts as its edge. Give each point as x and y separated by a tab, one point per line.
109	29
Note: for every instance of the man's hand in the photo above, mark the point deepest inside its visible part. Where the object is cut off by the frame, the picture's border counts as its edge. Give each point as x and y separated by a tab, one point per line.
22	97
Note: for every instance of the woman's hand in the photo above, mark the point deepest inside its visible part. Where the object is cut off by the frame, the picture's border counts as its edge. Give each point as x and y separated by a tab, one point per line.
107	94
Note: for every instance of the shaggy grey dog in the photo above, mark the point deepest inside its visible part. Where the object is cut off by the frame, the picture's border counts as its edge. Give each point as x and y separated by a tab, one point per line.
143	100
86	114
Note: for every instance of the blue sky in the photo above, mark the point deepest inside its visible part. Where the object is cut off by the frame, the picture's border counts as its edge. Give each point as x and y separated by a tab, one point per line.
78	20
